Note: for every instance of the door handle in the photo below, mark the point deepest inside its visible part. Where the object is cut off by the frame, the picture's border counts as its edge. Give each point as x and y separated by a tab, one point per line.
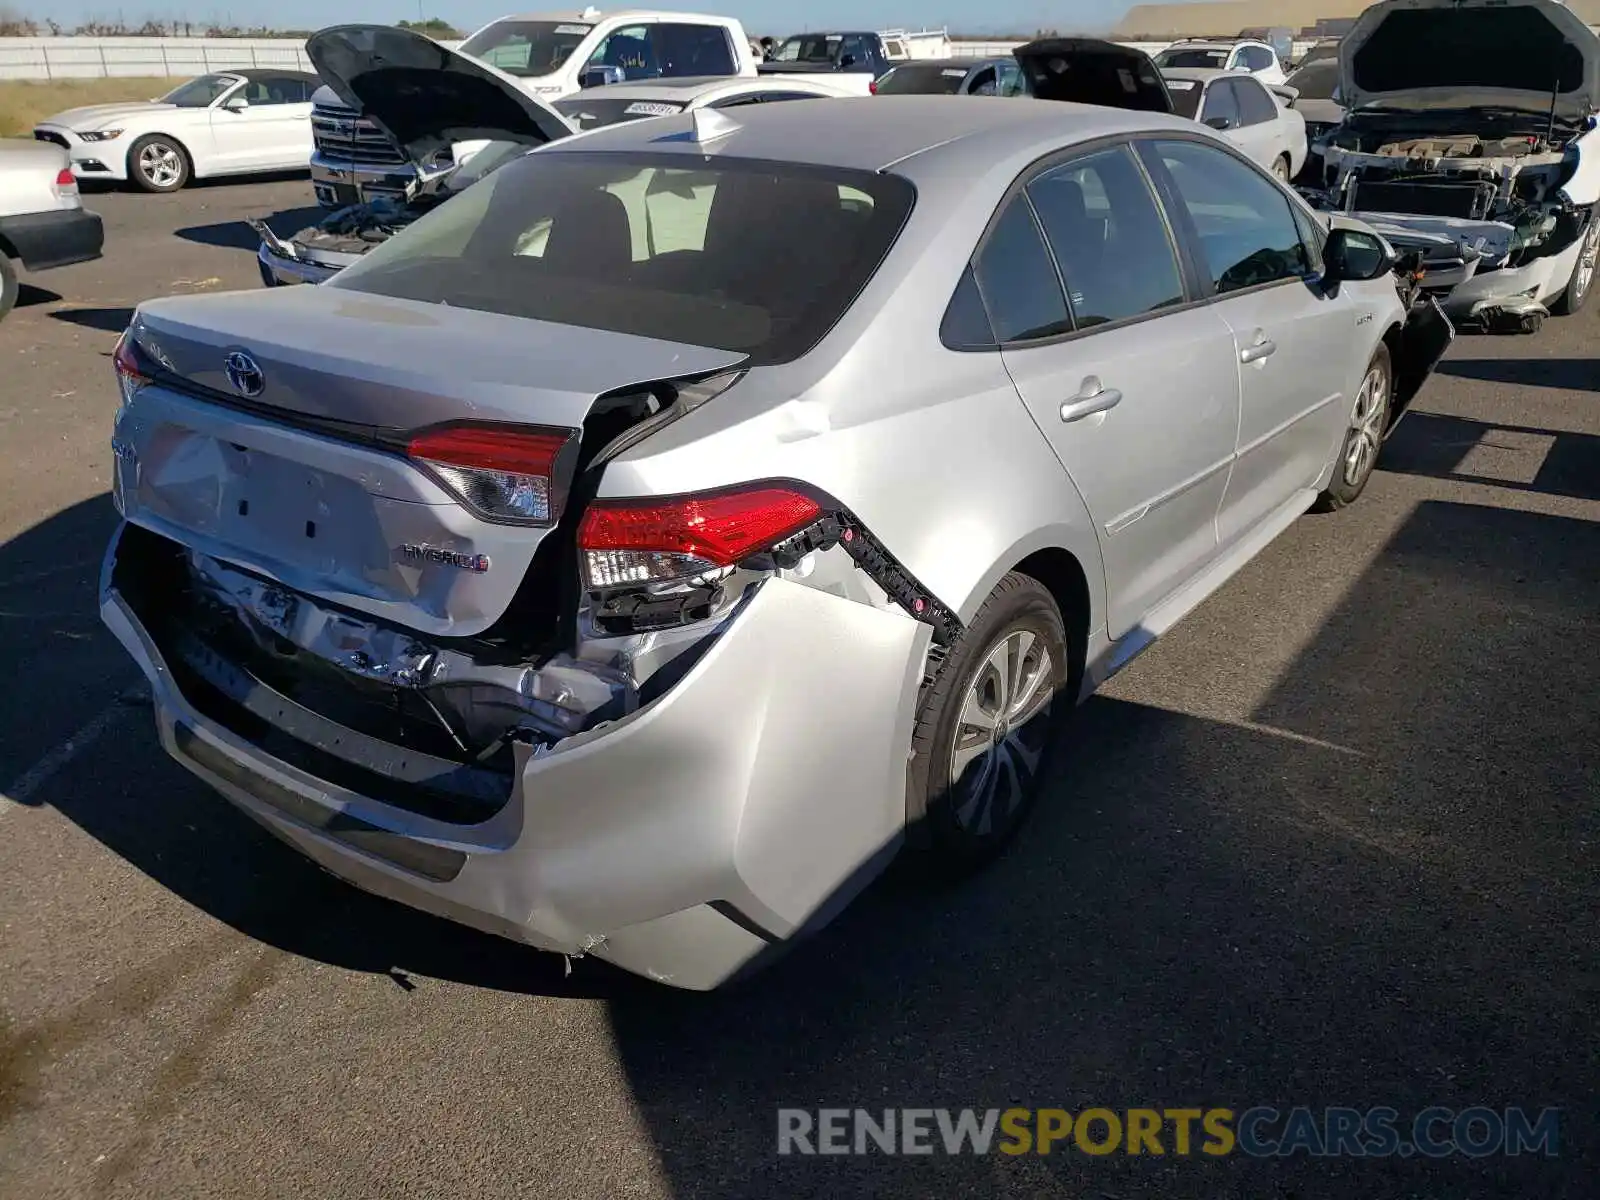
1262	349
1091	399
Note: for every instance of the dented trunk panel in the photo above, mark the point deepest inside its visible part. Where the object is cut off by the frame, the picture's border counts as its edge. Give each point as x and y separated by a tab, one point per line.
350	524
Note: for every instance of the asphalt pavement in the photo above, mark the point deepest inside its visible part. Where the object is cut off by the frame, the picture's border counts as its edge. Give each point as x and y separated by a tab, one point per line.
1331	842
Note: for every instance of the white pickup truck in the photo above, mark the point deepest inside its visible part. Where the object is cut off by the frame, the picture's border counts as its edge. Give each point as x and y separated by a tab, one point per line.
549	54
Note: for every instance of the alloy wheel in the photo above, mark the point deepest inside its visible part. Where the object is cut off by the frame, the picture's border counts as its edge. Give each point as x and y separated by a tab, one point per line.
1586	260
1366	426
1000	734
161	164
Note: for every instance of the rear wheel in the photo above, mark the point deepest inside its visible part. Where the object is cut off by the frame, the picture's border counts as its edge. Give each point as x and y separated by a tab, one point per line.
1280	167
1369	421
985	727
1576	292
157	163
8	285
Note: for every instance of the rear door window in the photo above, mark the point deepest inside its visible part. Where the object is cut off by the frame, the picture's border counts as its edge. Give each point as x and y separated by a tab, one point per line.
736	254
1255	103
1109	239
1017	278
687	50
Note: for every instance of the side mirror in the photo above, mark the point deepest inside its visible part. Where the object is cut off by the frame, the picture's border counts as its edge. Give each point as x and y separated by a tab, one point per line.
847	61
601	76
1356	255
237	105
1219	123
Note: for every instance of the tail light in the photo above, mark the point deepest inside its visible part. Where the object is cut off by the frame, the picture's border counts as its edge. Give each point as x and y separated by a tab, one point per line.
872	87
504	474
653	541
66	180
132	374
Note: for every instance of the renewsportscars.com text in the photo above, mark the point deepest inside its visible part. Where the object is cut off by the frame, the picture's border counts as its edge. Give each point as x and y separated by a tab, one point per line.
1260	1132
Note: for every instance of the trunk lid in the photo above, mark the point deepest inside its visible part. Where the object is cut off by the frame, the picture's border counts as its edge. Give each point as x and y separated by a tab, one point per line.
1091	71
426	96
295	469
1523	54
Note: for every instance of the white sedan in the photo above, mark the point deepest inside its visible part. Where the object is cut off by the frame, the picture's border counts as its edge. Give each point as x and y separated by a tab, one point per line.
228	123
1260	120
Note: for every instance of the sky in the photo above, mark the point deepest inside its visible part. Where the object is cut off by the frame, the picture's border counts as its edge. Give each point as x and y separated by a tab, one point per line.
759	16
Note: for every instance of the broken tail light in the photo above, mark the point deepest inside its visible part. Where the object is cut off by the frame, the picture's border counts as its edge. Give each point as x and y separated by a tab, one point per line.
504	474
132	373
632	542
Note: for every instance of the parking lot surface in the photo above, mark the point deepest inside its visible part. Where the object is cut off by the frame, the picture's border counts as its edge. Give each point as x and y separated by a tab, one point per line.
1331	842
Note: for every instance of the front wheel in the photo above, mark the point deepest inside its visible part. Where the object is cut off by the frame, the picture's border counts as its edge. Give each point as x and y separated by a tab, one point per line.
1576	292
158	164
1369	421
985	727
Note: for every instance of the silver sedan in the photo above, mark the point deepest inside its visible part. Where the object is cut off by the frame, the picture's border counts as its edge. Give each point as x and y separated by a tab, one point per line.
635	553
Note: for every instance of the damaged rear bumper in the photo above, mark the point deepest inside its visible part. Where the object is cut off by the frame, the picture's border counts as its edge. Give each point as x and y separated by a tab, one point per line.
685	841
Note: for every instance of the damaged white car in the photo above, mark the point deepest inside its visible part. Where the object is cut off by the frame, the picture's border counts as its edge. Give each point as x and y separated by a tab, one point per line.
1470	136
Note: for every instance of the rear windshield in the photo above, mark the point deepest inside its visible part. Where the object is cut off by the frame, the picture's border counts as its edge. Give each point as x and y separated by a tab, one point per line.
591	112
1190	59
739	254
920	79
1186	95
1316	81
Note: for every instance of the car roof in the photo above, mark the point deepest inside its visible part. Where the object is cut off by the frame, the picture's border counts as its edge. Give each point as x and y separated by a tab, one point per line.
576	16
874	133
950	64
1219	43
271	73
1200	74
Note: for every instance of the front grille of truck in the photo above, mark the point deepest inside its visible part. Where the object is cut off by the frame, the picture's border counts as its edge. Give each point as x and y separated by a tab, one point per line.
342	135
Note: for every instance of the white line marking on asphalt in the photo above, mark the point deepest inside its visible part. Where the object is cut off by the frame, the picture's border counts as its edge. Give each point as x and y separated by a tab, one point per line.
36	776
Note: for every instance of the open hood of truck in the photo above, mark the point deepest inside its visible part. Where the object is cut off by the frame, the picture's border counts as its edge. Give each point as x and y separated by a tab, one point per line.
1091	71
426	96
1422	54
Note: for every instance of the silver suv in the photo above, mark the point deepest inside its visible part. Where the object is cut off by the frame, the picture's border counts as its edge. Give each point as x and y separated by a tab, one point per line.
634	552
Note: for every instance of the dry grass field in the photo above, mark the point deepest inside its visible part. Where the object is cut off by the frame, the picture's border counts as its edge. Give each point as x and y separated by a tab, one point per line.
23	102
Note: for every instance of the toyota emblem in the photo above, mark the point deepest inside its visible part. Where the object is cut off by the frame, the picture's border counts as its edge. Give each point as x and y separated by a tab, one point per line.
244	374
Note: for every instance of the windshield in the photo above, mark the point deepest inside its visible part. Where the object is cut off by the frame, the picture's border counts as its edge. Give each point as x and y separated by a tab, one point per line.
591	112
1193	58
526	48
922	79
1185	97
198	93
734	254
1316	81
809	48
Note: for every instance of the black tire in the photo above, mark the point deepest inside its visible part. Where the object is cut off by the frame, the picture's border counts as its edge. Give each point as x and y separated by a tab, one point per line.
954	829
1363	439
1576	293
9	287
176	168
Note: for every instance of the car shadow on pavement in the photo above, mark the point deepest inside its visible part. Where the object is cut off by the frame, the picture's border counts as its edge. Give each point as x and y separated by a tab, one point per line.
109	320
29	294
1380	891
1516	457
1572	374
238	235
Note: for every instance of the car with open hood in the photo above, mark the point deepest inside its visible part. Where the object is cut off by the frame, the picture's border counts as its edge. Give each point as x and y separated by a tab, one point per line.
635	554
1470	134
425	101
549	55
